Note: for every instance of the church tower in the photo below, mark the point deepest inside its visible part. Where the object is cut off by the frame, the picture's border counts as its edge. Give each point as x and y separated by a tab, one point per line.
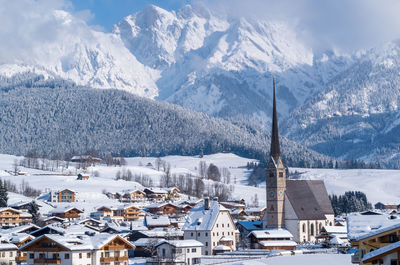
275	178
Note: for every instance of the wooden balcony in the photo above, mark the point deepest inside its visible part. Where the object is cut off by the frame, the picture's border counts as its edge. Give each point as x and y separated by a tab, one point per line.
47	261
114	259
20	258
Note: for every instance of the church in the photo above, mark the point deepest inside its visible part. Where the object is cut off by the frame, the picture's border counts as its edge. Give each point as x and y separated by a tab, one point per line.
300	206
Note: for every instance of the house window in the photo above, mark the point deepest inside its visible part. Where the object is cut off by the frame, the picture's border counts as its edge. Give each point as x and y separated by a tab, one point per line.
31	255
198	234
312	229
206	252
11	254
80	255
66	255
187	250
191	234
88	255
217	225
206	244
193	250
206	234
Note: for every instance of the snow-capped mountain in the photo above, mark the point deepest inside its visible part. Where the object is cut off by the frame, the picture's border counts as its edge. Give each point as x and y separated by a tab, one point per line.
87	57
341	105
223	66
357	115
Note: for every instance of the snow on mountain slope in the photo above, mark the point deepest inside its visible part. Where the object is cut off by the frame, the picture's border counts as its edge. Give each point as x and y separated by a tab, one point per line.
224	66
87	57
357	115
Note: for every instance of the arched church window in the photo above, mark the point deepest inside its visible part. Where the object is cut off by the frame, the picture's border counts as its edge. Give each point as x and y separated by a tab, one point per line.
320	227
312	229
304	228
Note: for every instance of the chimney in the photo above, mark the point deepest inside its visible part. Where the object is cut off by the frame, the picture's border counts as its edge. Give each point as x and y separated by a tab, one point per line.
206	203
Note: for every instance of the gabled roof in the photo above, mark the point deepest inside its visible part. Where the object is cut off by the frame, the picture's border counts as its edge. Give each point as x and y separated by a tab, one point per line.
380	252
18	229
65	209
379	231
309	199
155	191
187	243
10	209
156	220
201	219
271	233
82	243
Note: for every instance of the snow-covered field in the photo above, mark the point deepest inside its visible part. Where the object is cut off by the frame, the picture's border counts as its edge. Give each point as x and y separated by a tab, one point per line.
379	185
309	259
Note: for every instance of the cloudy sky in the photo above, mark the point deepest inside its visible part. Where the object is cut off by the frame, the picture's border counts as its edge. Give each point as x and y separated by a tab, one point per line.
346	25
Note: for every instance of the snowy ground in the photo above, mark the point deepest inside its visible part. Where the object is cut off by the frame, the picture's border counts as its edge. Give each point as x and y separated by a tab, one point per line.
378	184
309	259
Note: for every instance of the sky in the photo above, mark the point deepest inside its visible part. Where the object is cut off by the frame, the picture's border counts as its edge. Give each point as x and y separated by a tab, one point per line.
106	13
341	25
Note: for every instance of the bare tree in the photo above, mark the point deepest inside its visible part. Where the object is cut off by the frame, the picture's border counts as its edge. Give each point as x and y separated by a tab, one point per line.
202	169
15	166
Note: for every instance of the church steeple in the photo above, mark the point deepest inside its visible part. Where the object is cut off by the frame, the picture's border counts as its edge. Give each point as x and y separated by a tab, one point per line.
274	216
275	152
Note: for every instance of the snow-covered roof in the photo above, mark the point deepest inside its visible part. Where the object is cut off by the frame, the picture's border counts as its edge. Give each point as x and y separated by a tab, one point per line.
271	233
162	233
201	219
8	246
18	229
143	242
379	231
20	203
251	225
18	238
156	190
278	243
9	208
156	220
82	243
380	251
252	210
335	229
182	243
222	247
64	209
78	229
359	225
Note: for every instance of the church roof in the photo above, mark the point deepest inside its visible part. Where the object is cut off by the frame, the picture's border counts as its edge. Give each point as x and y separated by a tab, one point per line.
309	199
275	152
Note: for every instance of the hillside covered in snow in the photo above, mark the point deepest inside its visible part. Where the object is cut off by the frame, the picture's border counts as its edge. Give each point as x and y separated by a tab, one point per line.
55	118
342	105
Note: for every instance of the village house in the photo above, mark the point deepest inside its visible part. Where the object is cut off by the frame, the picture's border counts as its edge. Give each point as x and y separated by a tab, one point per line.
10	217
166	208
8	253
388	255
20	240
185	252
156	194
154	221
82	176
132	196
173	193
212	225
373	242
381	206
333	236
118	213
97	249
66	196
67	212
300	206
272	239
86	159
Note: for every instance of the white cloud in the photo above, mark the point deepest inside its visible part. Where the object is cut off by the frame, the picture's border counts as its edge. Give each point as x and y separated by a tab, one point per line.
29	28
343	24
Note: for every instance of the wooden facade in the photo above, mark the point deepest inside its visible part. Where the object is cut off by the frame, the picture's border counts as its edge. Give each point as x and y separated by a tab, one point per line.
10	217
66	196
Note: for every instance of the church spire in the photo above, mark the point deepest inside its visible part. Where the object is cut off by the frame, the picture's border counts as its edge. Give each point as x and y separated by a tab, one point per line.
275	148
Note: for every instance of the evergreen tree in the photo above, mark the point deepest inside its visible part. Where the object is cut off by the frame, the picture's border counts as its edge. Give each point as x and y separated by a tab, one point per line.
33	209
3	194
